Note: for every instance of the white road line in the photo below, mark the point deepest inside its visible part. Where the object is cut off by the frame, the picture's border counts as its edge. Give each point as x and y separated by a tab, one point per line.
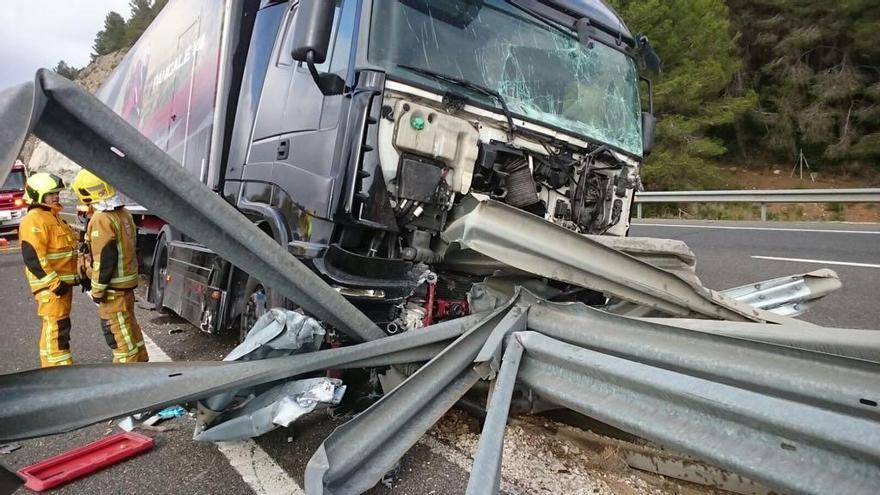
771	229
821	262
156	353
258	469
250	461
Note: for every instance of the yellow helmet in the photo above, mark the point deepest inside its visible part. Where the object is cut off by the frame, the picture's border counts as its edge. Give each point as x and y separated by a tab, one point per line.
41	184
90	188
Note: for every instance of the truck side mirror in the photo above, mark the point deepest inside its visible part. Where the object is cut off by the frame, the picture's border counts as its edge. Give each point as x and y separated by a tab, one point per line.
311	38
649	130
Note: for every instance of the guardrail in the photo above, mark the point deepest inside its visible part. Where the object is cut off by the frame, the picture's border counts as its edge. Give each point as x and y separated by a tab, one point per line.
865	195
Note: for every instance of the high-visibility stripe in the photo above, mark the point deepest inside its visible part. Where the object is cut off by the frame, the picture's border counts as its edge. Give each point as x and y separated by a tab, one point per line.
59	358
127	278
69	278
61	255
34	282
47	325
96	285
123	328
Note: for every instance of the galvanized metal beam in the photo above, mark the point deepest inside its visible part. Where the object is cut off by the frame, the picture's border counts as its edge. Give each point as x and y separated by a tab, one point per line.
485	476
846	385
528	243
789	445
357	454
857	195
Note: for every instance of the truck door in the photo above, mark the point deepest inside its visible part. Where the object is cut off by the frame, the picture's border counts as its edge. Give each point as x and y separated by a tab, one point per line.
293	121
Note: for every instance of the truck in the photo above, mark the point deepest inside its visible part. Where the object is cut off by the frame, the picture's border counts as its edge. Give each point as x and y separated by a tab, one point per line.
352	131
12	205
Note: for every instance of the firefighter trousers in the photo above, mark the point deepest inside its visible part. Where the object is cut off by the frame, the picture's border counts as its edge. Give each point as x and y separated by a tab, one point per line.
121	329
54	311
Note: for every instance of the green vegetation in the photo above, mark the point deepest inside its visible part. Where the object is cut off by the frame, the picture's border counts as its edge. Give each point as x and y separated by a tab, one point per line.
751	82
119	33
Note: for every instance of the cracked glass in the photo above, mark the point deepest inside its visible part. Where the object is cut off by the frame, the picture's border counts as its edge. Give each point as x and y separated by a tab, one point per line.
543	72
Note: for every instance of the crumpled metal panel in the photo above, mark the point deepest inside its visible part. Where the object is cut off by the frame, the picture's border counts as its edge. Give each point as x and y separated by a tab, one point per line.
788	296
670	255
277	333
278	406
511	236
78	125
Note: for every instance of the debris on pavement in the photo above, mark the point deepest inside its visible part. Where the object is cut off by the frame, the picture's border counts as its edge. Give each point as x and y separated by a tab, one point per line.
8	448
171	412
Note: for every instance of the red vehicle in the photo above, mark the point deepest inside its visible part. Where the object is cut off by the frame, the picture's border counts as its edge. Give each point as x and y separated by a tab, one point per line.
12	206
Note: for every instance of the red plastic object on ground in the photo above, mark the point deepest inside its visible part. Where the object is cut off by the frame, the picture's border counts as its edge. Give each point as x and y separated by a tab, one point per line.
84	460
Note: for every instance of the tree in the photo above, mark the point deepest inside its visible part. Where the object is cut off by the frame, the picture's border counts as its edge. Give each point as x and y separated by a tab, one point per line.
142	14
65	70
816	67
700	57
112	37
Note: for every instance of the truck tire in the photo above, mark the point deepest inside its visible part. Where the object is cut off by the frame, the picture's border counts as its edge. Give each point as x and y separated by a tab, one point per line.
156	294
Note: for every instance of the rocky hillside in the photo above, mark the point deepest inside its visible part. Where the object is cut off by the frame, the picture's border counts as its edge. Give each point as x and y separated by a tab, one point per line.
39	156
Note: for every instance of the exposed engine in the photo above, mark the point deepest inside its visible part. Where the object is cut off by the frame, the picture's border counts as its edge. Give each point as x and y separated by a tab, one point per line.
435	154
431	157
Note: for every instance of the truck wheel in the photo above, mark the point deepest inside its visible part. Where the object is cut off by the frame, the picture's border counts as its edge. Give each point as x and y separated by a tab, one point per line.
160	269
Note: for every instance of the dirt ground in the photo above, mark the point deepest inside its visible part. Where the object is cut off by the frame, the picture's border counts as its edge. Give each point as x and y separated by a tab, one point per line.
779	178
545	456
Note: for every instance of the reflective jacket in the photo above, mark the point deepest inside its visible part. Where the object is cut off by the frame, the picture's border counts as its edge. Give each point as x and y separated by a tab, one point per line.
111	237
48	246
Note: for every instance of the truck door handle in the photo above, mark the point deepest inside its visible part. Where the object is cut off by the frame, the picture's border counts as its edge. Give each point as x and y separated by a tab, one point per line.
283	150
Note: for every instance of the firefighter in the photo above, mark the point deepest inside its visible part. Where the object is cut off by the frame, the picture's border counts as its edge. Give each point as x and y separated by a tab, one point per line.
48	246
110	263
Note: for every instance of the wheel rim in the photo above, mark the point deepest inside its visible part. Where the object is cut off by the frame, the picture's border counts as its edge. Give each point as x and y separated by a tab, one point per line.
257	306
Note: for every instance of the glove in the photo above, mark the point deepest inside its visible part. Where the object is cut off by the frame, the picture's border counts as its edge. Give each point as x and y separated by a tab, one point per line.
62	289
85	284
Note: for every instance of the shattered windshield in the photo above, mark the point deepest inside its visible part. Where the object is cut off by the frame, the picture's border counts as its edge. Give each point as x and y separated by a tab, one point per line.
543	72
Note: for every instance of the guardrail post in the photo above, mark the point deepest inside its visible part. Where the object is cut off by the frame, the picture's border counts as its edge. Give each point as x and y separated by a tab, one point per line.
638	210
763	212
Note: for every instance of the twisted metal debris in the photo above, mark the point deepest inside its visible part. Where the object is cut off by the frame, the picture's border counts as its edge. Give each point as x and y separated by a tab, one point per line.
794	407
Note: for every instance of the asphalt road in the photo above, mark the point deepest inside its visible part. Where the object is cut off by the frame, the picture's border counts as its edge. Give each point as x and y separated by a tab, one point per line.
275	462
725	252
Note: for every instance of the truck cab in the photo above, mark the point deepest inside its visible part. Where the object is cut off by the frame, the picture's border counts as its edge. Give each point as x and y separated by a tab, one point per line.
354	131
12	205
